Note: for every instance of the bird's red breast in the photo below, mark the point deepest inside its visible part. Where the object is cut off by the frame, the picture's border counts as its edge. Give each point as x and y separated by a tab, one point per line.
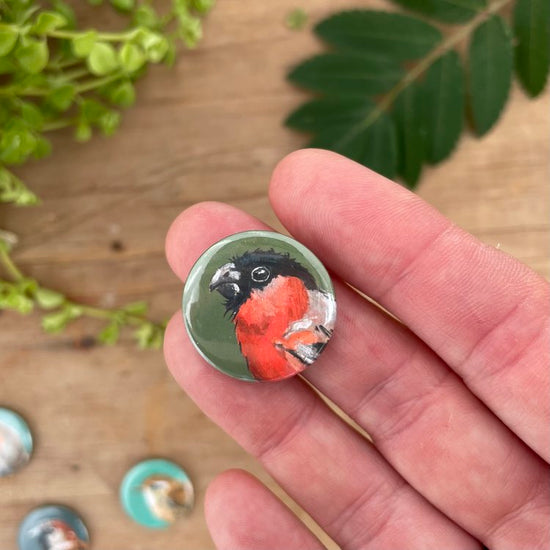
261	323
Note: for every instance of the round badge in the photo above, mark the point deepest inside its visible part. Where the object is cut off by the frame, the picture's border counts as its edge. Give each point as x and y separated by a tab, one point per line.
259	306
156	492
15	442
53	527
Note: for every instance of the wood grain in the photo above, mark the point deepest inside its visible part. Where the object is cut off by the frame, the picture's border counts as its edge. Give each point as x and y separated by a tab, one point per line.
208	130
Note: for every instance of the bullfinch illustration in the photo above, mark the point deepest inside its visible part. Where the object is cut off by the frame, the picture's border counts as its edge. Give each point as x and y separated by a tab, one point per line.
58	535
282	319
13	454
165	497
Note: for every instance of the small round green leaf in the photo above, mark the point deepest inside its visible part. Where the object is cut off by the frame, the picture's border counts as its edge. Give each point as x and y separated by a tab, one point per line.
32	55
123	5
48	299
82	45
91	110
146	16
55	322
102	59
31	114
154	44
8	38
66	11
122	94
16	146
190	30
109	122
48	21
83	131
61	97
296	20
131	57
110	334
7	65
43	148
202	6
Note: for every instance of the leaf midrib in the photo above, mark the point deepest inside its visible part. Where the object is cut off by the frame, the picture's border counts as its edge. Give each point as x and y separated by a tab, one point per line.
362	76
462	5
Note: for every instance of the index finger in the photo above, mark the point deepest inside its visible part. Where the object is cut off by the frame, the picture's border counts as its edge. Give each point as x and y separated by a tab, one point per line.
483	312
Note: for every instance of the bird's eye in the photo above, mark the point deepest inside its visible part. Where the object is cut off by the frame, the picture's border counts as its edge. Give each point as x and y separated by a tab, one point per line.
260	274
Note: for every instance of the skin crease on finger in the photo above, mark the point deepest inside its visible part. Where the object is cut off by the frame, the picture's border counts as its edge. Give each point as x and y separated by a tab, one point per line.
483	471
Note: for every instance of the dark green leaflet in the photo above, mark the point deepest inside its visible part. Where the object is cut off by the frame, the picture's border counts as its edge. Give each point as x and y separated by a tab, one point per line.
491	60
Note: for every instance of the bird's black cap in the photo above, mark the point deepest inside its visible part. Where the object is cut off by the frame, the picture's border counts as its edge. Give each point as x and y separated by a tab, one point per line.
255	270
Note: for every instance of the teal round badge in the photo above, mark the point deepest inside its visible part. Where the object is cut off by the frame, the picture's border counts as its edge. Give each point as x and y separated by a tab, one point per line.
156	492
15	442
53	527
259	306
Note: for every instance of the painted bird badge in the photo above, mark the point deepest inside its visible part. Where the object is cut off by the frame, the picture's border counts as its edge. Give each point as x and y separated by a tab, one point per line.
166	498
58	535
282	319
13	454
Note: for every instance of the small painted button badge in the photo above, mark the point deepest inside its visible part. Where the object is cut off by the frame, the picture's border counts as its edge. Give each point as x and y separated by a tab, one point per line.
259	306
156	492
53	527
15	442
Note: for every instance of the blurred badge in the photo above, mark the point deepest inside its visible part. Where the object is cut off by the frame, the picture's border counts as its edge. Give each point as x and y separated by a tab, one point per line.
259	306
156	492
53	527
15	442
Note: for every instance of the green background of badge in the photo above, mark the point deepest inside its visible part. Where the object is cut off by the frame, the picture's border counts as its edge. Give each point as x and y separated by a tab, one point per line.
28	541
211	331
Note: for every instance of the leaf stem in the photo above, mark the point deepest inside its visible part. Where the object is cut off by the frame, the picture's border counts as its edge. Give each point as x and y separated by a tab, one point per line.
86	86
8	263
58	124
97	82
388	99
105	36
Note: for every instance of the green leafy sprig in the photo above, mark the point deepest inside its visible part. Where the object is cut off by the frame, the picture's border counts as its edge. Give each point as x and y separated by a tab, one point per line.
24	295
393	91
56	76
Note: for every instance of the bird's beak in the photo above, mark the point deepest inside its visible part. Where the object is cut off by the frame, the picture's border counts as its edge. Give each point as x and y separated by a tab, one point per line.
226	281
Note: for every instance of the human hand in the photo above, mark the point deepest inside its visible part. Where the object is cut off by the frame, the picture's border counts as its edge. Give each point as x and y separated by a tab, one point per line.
457	404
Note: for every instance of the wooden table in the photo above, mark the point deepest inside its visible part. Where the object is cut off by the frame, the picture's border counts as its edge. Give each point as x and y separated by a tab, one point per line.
209	129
